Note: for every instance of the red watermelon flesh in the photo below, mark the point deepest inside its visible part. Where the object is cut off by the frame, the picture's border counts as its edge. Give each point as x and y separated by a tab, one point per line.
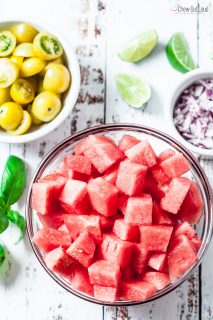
137	290
122	203
83	249
105	294
192	206
59	261
181	257
47	239
184	228
160	216
175	166
115	250
127	142
139	258
81	146
196	241
127	273
79	280
78	163
80	223
53	177
155	238
166	154
175	195
105	222
63	227
104	273
131	177
155	190
157	261
103	196
111	175
52	220
159	175
126	231
142	153
159	279
65	171
139	210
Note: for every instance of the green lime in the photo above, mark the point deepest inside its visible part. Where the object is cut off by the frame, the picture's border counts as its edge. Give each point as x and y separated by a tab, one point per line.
139	47
134	91
178	53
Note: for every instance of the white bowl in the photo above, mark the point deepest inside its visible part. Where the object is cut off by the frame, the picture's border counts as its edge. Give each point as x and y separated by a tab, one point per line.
69	98
185	81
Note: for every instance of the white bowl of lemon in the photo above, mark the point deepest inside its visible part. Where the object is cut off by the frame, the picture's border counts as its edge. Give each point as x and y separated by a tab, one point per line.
39	81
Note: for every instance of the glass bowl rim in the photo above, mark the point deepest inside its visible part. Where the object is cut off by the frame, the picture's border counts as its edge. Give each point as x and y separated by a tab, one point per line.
104	129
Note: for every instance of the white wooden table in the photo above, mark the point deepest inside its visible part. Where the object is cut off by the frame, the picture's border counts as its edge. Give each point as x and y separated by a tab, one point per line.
96	29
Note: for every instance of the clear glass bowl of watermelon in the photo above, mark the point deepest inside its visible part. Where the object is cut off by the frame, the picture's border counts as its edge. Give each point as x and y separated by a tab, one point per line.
48	231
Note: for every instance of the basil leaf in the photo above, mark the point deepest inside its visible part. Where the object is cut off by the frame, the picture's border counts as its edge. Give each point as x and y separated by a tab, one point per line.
18	220
2	254
13	180
3	223
2	206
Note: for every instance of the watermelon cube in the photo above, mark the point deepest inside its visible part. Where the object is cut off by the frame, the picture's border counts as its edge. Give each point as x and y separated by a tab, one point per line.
159	279
53	220
175	166
137	290
166	154
157	261
63	227
83	249
48	239
105	294
139	258
104	273
53	177
78	163
175	195
184	228
115	250
155	190
122	203
196	241
142	153
105	222
59	261
65	171
111	175
155	238
103	196
81	146
139	210
159	175
130	179
77	224
127	273
192	206
126	231
127	142
181	257
79	280
160	216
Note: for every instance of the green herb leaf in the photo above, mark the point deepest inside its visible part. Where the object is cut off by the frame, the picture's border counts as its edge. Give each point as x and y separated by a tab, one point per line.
18	220
3	223
2	254
2	206
13	180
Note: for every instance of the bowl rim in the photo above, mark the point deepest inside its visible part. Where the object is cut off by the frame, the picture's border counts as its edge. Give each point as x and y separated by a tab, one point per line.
125	127
182	83
71	95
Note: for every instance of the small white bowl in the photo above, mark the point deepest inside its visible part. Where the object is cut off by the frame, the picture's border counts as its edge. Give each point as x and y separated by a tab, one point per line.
183	83
69	98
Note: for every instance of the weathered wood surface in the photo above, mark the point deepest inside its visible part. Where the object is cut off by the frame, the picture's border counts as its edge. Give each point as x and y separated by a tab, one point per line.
96	29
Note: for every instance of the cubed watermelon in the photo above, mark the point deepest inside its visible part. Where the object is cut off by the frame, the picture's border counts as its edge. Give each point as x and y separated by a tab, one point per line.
181	257
155	238
115	250
53	177
139	258
105	294
184	228
83	249
65	171
175	195
142	153
63	227
103	196
78	163
127	142
105	222
160	216
111	175
175	166
159	175
59	261
156	191
192	206
77	224
122	203
159	279
79	280
166	154
47	239
104	273
131	177
196	241
158	261
81	146
139	210
126	231
127	273
53	220
137	290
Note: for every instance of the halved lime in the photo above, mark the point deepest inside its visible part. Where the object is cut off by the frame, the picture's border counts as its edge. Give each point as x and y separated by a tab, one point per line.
134	91
178	53
139	47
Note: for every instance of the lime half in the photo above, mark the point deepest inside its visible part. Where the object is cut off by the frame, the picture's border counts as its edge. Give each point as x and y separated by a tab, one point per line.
134	91
139	47
178	53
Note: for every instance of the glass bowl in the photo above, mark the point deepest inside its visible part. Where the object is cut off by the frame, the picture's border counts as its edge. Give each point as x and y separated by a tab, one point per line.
159	141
